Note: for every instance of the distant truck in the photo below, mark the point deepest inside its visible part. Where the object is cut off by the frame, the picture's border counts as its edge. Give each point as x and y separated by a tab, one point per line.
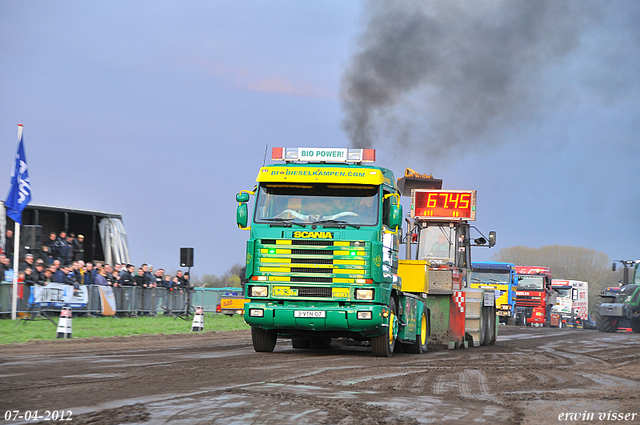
572	302
531	297
503	278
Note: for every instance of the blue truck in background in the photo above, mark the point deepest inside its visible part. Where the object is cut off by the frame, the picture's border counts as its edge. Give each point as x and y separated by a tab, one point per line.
503	278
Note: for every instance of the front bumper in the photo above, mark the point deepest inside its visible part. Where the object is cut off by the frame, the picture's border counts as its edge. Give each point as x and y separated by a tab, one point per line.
338	319
538	315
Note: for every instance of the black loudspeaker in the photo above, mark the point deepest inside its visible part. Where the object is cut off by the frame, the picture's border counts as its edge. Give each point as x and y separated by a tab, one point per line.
31	237
186	257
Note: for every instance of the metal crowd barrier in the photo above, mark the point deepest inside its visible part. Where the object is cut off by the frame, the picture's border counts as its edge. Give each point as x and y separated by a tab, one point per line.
130	300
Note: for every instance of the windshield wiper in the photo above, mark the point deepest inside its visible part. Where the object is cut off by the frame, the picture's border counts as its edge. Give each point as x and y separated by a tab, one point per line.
286	222
338	223
477	279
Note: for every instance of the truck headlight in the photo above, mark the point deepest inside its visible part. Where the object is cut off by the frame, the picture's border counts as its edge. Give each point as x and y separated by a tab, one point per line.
364	294
256	312
259	291
364	315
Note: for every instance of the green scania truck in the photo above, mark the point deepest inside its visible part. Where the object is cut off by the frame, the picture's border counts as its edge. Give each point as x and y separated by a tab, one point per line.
322	256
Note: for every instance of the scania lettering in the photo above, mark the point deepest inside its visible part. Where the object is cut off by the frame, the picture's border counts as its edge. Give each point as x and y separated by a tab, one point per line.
316	235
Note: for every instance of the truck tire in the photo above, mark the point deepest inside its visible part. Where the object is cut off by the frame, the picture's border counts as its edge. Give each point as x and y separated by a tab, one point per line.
383	345
635	325
487	326
605	323
300	343
420	344
491	326
264	341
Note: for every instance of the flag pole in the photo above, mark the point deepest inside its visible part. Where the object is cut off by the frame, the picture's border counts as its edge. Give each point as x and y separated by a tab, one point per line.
16	255
16	236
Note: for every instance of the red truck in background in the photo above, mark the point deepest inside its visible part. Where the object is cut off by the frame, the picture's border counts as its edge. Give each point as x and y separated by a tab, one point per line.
531	297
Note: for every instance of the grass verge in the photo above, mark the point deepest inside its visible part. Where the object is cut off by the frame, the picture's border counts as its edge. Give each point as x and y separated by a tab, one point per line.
12	332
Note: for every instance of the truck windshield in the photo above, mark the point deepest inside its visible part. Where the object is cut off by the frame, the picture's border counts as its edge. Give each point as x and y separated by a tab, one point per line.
563	293
327	204
489	277
535	283
437	243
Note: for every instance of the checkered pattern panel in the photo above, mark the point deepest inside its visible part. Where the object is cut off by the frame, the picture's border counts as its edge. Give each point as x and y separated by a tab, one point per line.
458	298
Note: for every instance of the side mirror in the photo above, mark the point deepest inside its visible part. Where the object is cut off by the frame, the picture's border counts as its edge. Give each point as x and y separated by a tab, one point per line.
395	216
480	241
242	197
242	215
492	238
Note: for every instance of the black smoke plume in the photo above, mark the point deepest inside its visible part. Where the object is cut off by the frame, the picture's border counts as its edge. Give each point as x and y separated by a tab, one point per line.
451	75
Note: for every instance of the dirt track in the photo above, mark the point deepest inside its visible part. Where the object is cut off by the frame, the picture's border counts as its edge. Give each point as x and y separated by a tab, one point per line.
530	376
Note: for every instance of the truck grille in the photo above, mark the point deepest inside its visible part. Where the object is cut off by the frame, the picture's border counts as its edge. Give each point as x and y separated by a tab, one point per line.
311	279
312	263
316	292
528	301
304	270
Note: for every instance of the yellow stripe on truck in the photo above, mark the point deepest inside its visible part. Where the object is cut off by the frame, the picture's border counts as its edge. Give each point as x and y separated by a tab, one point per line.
313	174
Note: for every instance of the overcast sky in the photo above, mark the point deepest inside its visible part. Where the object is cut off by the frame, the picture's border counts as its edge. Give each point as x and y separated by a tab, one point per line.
161	111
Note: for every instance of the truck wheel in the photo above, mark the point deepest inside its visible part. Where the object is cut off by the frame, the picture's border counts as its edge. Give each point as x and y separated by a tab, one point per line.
488	326
300	343
420	344
383	345
635	325
605	323
264	341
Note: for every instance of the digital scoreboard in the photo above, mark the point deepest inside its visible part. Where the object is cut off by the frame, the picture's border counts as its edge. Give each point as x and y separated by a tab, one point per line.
443	204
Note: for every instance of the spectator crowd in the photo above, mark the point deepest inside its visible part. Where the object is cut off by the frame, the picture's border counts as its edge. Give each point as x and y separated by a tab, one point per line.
61	261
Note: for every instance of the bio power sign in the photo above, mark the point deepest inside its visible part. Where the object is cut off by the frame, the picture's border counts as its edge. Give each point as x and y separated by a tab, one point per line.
322	154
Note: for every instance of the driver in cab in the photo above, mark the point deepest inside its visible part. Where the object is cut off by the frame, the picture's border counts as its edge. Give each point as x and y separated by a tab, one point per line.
440	249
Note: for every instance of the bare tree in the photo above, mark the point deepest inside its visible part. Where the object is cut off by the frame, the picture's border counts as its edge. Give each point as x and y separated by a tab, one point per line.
230	278
565	262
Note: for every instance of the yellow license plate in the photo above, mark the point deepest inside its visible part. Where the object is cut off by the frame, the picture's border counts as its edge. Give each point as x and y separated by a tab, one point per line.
340	293
284	291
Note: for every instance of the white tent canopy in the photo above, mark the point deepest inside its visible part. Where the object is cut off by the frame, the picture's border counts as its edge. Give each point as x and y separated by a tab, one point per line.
114	240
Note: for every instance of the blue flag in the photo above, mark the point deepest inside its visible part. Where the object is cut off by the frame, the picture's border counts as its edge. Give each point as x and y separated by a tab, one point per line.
20	192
